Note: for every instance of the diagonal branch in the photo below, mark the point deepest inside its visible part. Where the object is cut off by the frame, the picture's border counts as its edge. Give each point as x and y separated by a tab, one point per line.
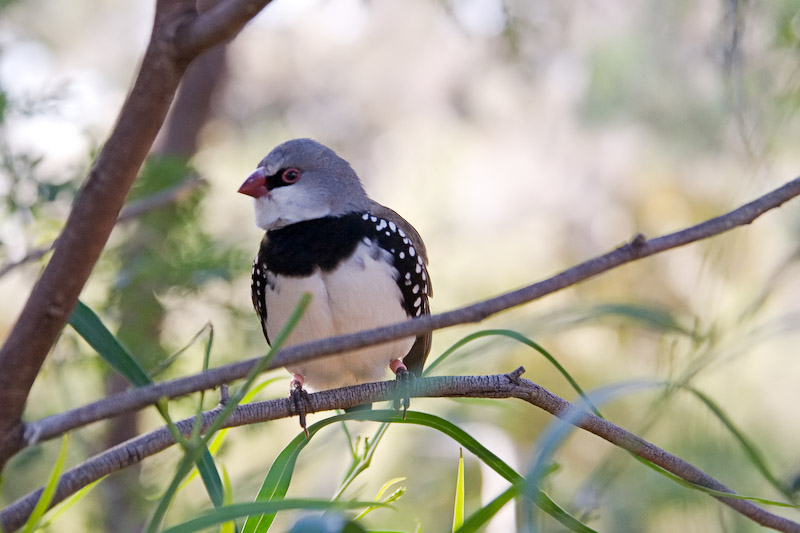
638	248
495	386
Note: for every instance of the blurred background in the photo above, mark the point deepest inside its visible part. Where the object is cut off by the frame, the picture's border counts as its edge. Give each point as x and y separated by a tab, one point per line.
519	138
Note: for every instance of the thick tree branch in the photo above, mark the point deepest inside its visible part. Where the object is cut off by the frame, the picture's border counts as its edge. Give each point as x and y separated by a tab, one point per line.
638	248
496	386
97	205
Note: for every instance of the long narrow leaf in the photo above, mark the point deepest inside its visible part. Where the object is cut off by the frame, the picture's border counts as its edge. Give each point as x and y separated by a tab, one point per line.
238	510
88	325
280	474
482	516
750	449
458	511
49	489
513	335
183	468
227	527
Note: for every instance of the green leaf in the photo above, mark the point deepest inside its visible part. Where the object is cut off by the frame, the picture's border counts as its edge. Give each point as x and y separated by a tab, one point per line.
227	527
277	482
91	328
184	467
513	335
458	512
65	505
393	497
238	510
750	449
555	434
487	512
88	325
49	489
361	462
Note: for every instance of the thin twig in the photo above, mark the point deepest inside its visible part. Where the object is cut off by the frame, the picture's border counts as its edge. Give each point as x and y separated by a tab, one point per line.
494	386
639	247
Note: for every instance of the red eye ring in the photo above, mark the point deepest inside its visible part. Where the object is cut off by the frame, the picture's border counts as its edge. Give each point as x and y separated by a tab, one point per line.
290	175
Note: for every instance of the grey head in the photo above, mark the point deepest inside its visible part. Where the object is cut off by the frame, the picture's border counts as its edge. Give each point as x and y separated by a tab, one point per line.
301	180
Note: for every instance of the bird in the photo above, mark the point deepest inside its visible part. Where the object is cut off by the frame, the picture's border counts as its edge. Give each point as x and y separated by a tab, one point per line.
364	265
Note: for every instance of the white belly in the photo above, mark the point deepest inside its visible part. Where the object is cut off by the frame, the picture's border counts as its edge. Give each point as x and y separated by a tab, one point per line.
361	293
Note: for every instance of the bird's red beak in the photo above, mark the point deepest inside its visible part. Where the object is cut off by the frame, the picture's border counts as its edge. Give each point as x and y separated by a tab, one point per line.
256	184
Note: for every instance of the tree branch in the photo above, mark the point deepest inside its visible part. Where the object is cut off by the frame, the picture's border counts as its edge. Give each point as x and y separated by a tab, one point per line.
220	22
495	386
638	248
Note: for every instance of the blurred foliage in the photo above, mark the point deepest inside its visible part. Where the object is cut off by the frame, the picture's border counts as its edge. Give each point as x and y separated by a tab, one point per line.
168	250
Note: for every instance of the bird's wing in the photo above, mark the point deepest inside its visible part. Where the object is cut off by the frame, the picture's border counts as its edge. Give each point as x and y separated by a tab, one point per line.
415	359
258	288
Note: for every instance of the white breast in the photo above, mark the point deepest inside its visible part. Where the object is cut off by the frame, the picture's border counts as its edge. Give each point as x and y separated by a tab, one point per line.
361	293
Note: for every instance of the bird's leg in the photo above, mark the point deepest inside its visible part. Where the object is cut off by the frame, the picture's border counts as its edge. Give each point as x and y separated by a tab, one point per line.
223	394
403	379
299	398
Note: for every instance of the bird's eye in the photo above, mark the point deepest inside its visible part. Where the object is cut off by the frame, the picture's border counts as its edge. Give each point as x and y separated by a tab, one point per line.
290	175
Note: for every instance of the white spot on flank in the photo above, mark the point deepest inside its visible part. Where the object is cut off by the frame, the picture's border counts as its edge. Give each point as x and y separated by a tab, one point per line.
417	301
405	241
401	233
418	269
392	226
402	255
366	241
412	251
258	283
419	259
415	290
424	276
419	311
408	283
426	289
381	225
365	216
408	275
374	219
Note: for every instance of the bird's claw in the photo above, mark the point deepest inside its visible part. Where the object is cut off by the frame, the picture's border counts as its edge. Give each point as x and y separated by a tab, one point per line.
299	398
403	379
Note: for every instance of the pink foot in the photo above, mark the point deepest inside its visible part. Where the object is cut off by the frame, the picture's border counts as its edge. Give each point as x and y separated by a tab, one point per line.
297	381
397	366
